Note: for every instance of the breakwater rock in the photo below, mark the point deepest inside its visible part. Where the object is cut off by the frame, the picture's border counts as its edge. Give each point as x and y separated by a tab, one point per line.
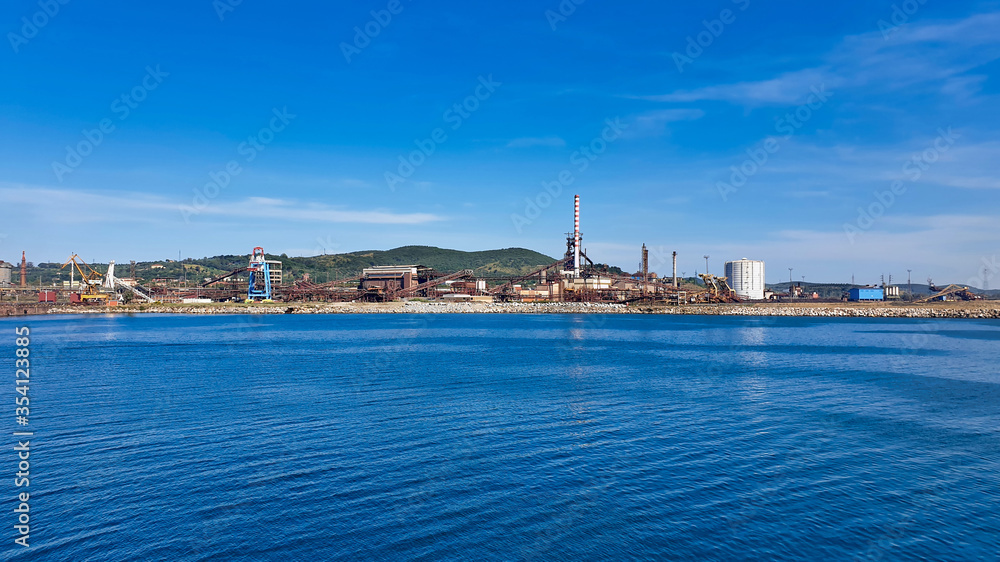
983	310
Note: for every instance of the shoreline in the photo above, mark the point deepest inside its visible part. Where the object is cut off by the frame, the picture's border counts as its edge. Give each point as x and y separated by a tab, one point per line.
974	310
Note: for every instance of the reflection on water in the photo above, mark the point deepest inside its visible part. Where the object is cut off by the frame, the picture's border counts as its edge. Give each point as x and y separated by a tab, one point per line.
514	437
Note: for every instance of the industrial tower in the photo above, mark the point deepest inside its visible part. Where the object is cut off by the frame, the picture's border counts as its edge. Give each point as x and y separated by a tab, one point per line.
260	277
573	250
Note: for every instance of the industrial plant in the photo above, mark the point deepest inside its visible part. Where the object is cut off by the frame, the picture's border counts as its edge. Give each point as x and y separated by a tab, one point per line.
573	278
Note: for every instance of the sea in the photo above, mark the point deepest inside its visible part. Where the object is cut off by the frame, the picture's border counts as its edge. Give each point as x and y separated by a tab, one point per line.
504	437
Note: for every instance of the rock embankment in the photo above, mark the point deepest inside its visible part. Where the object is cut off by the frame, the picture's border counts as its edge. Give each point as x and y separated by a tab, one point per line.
990	309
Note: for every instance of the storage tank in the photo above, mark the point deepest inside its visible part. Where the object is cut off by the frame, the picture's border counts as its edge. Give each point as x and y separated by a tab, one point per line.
746	277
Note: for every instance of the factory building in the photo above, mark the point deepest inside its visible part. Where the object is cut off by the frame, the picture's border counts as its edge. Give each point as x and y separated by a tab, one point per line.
859	294
274	268
746	277
390	277
5	269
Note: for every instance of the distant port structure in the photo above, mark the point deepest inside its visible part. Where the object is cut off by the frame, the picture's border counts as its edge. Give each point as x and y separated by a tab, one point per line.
572	278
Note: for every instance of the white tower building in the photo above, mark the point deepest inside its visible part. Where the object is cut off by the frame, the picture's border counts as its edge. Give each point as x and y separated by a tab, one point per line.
746	277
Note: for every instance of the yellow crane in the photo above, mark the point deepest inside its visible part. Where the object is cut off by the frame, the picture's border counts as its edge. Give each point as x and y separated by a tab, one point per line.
91	280
718	289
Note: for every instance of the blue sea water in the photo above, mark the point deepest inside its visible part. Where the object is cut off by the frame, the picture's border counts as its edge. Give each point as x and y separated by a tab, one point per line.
507	437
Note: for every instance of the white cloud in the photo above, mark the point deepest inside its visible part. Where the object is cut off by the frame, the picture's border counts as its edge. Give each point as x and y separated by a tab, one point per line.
654	123
79	206
787	89
528	142
932	56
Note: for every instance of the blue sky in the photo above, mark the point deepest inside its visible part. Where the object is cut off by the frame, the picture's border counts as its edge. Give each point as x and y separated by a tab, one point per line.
645	110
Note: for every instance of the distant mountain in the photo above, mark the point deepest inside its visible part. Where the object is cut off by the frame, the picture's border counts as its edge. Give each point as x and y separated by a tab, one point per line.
508	261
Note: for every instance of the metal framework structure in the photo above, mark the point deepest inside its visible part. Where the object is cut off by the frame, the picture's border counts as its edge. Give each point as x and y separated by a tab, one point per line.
961	292
718	290
224	276
91	279
506	287
466	273
114	283
259	286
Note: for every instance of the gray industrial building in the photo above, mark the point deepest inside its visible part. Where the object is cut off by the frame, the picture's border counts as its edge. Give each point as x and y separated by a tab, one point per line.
5	270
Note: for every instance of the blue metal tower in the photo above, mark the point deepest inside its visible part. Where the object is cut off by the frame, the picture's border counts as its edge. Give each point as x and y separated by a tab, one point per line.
260	277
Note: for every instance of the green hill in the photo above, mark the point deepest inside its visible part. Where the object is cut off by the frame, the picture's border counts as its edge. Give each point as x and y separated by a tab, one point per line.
508	261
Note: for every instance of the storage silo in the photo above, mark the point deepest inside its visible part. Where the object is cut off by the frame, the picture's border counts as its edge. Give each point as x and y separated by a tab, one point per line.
746	277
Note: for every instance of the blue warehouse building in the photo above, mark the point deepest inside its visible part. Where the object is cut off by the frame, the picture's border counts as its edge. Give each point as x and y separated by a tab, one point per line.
867	294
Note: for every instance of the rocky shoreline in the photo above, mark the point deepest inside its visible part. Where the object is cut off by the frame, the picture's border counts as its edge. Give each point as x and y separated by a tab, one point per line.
985	310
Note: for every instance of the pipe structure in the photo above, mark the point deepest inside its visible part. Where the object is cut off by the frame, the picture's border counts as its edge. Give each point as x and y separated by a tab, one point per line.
576	236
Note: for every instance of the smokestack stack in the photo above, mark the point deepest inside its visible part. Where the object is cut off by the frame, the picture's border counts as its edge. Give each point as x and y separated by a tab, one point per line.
576	236
645	268
24	270
675	270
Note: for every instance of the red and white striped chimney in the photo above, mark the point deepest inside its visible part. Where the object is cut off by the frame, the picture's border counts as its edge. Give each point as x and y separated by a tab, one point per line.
576	236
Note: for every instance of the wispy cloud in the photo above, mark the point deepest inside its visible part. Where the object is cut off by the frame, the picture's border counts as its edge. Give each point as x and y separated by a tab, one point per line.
90	207
654	123
933	56
786	89
528	142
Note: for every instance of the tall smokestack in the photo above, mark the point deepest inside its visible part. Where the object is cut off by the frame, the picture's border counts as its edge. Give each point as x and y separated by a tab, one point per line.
24	270
576	236
675	270
645	267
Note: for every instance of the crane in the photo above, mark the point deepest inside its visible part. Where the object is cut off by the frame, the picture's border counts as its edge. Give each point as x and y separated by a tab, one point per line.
718	288
91	279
